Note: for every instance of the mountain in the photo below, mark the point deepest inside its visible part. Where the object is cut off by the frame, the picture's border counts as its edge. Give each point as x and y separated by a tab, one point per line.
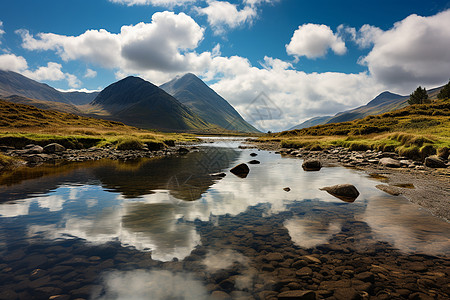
137	102
384	102
12	83
312	122
192	92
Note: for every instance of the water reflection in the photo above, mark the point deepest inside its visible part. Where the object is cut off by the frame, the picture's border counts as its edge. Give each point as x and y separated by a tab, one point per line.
157	285
143	204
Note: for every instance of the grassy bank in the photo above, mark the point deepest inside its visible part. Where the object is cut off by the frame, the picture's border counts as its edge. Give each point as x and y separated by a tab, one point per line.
25	124
415	131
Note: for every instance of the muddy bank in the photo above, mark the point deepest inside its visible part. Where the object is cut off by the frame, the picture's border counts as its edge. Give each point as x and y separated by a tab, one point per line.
426	186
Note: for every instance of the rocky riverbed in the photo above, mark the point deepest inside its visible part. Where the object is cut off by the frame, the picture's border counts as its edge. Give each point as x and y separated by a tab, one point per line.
248	256
425	183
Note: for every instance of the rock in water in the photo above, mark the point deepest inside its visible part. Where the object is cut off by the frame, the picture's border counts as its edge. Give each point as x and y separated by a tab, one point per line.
182	151
390	162
345	192
253	154
240	170
287	189
434	162
254	162
312	165
297	295
54	148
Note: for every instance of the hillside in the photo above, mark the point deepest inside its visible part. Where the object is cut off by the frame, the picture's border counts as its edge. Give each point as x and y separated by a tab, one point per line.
22	124
139	103
12	83
312	122
384	102
412	131
192	92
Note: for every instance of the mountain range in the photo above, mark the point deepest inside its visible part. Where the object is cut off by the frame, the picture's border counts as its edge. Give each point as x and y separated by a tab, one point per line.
188	104
382	103
12	83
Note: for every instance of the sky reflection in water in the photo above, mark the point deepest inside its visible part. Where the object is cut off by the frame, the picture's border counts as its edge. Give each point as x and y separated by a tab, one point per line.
144	205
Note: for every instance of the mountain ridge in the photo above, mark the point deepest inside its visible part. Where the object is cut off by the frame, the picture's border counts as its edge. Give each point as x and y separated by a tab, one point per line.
192	92
384	102
140	103
12	83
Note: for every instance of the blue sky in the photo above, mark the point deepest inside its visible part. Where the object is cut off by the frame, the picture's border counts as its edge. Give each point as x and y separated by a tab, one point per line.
309	57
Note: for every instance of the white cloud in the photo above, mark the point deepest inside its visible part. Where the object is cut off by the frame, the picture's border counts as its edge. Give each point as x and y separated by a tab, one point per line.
90	74
52	72
313	40
11	62
165	3
414	52
292	96
223	14
83	90
162	45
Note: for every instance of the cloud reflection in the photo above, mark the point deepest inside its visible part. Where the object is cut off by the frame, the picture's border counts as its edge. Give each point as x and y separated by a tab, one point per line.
155	285
309	233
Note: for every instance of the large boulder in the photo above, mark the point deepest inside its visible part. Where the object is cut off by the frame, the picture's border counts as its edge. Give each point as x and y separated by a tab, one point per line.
390	162
240	170
312	165
54	148
435	162
345	192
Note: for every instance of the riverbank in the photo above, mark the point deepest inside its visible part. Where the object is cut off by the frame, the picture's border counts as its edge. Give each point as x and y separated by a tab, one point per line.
422	185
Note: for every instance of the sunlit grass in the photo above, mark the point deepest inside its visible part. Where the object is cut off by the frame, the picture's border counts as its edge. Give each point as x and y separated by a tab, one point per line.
414	131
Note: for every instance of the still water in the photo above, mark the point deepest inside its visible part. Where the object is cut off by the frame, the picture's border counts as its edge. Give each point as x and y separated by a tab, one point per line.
166	229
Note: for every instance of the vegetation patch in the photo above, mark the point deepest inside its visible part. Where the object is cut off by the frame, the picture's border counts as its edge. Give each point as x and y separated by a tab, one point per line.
416	131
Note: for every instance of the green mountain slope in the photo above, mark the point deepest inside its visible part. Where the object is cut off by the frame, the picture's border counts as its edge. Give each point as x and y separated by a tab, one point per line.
139	103
192	92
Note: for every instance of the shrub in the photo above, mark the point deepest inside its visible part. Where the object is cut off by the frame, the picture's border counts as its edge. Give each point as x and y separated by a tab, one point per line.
129	144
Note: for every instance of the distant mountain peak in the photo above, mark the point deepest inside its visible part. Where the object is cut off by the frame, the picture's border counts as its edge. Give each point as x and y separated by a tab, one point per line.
204	101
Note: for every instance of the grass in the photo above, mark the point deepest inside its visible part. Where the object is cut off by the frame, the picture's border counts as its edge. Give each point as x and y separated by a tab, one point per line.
25	124
415	131
7	162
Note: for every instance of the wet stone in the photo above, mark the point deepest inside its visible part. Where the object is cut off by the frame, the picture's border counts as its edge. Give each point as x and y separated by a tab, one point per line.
297	295
220	295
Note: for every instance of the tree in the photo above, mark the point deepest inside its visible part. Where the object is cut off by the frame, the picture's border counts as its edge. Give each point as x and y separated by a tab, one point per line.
419	96
445	92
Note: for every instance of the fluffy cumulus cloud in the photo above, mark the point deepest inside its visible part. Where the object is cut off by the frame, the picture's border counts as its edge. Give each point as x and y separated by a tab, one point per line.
223	14
314	40
11	62
164	45
166	3
415	51
276	97
52	72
